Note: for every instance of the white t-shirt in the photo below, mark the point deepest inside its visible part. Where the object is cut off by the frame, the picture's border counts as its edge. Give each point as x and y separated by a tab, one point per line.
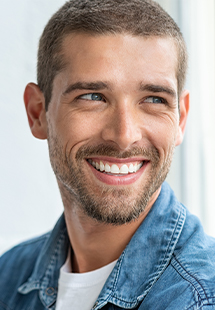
80	290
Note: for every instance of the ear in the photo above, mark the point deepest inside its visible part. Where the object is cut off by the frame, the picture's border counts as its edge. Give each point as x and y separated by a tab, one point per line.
184	103
35	109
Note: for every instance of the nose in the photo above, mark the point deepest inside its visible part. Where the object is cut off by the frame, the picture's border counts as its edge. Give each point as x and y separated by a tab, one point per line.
122	126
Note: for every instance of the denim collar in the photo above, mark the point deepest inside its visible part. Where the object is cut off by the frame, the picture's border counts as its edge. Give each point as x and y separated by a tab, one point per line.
139	266
47	268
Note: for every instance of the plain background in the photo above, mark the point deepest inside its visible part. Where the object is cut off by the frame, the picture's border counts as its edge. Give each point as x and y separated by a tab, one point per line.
30	202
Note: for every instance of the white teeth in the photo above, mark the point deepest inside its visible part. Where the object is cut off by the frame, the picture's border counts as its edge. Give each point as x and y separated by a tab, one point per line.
107	168
97	166
114	169
124	169
102	167
131	168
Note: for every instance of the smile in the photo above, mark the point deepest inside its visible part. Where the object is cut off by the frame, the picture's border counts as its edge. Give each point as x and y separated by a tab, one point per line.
116	168
114	171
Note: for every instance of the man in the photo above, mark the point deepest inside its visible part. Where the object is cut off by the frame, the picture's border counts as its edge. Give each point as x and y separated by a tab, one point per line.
110	102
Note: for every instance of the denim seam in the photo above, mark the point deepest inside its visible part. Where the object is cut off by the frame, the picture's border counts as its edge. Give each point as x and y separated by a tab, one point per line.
169	251
187	279
175	236
54	255
203	305
46	278
103	302
113	289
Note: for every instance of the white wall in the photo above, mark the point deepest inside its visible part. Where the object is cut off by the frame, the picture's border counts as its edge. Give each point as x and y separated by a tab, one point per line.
29	199
193	171
200	143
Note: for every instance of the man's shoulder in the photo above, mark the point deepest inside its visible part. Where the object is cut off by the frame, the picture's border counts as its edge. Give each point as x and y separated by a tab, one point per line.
197	257
195	249
188	281
16	265
24	250
194	263
29	269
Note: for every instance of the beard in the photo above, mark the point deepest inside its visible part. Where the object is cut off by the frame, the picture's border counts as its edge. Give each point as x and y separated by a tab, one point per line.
106	204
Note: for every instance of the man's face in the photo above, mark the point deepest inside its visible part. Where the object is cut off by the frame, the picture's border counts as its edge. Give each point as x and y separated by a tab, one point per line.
113	122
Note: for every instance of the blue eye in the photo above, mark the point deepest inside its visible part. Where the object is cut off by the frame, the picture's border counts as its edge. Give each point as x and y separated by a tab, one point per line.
93	96
153	99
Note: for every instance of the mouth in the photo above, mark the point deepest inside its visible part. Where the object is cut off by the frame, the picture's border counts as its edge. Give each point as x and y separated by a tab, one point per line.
116	169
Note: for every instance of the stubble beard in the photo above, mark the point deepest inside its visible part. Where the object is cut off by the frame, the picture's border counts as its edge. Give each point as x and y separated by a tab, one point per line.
106	204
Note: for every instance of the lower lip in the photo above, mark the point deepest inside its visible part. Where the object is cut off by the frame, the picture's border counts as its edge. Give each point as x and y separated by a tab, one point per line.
118	180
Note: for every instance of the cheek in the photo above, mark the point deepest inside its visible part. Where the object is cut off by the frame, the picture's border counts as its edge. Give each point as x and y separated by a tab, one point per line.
75	130
162	134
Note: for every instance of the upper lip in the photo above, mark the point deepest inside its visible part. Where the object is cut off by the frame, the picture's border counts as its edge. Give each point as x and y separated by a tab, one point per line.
118	160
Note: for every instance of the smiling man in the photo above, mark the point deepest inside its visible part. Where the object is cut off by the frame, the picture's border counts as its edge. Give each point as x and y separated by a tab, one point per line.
111	104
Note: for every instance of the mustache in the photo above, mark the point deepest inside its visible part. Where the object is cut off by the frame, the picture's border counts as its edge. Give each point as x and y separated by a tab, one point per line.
150	153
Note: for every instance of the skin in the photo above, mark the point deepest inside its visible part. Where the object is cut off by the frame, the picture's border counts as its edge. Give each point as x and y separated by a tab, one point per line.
135	116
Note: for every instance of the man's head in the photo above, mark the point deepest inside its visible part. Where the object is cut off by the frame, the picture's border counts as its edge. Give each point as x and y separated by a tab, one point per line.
113	120
137	17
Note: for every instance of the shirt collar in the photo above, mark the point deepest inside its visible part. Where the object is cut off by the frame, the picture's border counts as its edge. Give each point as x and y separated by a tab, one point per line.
47	268
138	268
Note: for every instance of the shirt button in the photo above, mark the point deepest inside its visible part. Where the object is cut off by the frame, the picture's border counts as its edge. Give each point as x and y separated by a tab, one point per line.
50	291
96	304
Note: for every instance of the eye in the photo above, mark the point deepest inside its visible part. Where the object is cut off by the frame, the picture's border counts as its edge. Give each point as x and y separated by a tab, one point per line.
154	99
92	96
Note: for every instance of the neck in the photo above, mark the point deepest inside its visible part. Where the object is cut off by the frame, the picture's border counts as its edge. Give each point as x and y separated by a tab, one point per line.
96	244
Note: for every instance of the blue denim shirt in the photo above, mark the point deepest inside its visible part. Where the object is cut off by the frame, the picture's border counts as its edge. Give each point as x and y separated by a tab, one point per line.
168	264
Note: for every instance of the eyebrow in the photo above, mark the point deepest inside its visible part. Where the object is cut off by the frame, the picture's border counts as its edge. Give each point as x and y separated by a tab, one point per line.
158	89
97	86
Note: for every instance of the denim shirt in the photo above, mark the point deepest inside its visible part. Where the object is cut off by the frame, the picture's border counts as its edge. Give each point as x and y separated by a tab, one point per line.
168	264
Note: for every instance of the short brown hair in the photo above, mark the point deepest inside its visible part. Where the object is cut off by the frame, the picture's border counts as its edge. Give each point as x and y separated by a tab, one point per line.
136	17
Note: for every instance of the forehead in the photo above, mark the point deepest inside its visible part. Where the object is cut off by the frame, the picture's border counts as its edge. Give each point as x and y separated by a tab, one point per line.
121	57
